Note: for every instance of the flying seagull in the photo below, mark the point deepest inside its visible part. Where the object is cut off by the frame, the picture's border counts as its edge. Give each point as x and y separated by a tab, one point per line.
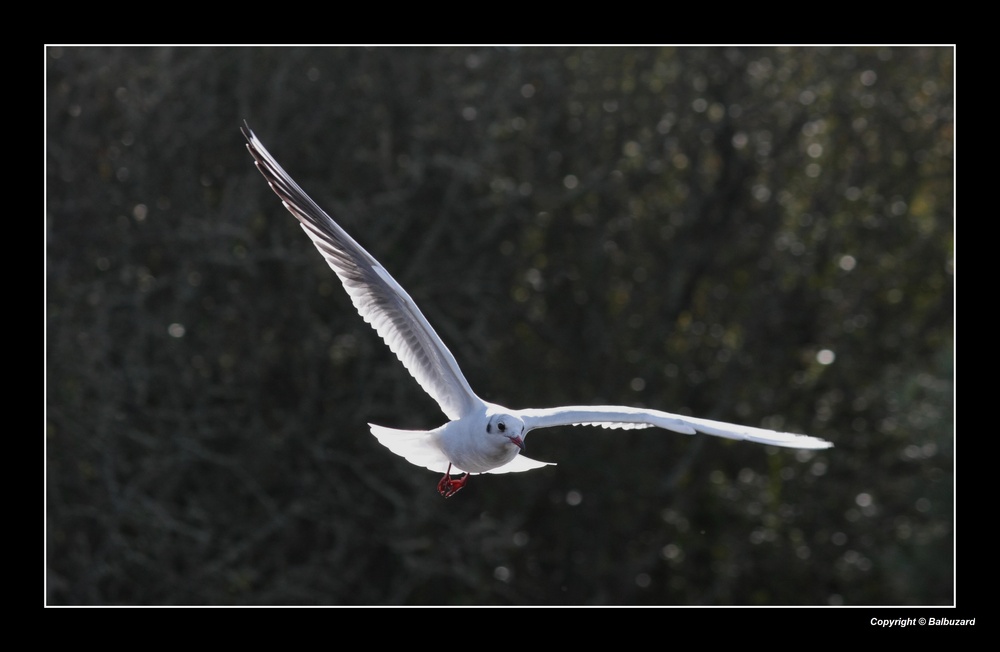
480	437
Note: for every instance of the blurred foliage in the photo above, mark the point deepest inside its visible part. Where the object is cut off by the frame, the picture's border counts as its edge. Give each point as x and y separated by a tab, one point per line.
758	235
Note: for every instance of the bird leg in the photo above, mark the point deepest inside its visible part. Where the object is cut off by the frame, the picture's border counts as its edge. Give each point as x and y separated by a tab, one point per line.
448	487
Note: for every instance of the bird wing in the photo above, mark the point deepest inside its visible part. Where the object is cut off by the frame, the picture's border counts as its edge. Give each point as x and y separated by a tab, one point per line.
380	300
617	416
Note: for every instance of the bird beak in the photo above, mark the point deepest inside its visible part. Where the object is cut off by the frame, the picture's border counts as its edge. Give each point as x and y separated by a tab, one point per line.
517	441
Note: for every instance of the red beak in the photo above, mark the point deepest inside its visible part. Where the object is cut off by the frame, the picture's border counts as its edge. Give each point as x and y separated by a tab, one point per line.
517	441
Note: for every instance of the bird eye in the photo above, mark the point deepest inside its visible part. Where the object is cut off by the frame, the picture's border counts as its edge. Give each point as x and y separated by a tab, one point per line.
501	426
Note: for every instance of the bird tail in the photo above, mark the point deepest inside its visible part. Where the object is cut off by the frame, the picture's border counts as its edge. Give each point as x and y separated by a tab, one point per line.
419	447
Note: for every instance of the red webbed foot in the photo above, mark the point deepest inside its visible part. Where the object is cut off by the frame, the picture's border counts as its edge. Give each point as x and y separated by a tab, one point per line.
448	487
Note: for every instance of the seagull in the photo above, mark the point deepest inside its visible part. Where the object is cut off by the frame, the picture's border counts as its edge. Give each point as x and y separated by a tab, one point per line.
480	437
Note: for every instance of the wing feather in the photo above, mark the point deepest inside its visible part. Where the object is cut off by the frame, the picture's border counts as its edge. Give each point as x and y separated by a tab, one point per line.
379	299
616	416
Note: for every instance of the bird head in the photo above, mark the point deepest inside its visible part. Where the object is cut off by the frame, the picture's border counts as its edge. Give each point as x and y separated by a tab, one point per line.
509	426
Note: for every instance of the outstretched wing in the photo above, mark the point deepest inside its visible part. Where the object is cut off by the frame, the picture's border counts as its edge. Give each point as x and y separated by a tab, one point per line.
616	416
380	300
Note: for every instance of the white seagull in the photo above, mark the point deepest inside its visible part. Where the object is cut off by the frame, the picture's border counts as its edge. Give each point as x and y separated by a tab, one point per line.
481	437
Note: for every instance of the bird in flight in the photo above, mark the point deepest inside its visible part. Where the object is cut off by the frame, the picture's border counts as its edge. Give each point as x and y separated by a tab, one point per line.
480	437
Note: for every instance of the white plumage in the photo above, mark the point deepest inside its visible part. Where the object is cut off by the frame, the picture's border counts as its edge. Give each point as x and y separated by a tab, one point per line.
480	437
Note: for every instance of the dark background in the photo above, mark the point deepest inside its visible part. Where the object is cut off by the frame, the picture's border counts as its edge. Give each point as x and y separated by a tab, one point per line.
691	229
